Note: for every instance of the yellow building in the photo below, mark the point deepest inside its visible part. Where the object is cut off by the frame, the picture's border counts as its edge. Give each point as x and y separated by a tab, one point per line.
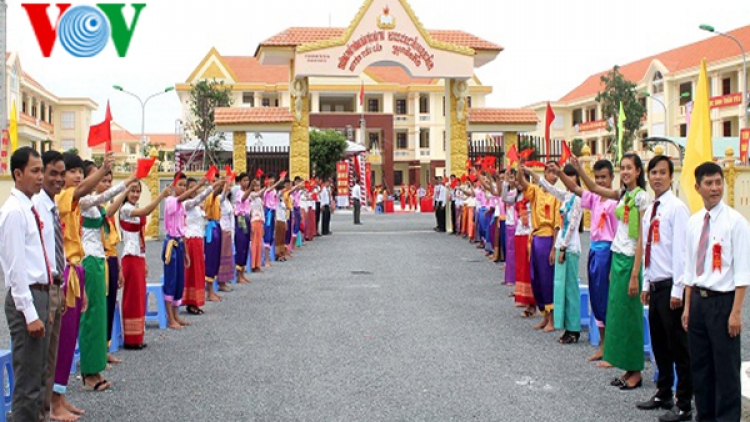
666	84
46	121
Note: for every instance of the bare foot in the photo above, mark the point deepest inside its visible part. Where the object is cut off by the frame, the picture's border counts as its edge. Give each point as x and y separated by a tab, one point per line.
604	365
549	328
540	325
70	408
181	321
61	414
596	356
175	326
224	288
213	297
112	359
243	280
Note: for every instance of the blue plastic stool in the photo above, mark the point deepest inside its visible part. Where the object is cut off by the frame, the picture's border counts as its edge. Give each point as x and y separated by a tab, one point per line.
76	359
234	259
160	315
587	316
299	240
6	365
647	337
118	338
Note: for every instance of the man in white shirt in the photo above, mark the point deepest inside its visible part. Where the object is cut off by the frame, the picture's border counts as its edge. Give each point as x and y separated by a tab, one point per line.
325	205
663	229
54	179
717	273
440	197
357	201
28	277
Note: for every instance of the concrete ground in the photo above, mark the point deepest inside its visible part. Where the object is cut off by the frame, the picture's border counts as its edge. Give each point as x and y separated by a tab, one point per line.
388	321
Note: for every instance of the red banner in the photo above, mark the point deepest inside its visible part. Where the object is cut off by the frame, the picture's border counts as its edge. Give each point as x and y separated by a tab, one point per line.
4	152
744	142
342	178
589	126
726	100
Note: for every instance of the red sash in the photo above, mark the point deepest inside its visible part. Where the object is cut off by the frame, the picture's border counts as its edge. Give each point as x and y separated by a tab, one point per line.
136	228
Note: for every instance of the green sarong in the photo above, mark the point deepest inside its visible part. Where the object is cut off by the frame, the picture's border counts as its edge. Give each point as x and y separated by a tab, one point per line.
93	332
567	293
624	345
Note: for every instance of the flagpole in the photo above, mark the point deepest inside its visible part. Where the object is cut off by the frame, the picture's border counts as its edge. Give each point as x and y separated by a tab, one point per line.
3	68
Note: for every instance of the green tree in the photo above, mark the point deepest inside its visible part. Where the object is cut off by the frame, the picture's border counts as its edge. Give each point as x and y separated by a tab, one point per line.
205	96
618	89
326	149
576	147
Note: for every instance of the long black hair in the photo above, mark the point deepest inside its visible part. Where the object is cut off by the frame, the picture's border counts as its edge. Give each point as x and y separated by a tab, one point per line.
641	181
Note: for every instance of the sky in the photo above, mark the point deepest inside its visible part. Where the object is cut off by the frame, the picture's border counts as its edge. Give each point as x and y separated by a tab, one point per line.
551	46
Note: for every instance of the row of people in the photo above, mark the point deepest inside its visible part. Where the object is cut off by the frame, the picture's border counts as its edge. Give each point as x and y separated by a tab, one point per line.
689	271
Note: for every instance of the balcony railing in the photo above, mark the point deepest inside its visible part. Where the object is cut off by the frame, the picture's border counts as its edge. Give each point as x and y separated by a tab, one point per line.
425	118
424	152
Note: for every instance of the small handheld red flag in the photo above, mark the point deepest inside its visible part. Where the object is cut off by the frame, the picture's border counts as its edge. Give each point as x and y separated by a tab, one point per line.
176	178
463	178
144	167
228	170
212	173
512	155
566	154
527	153
282	175
259	173
102	133
468	163
549	118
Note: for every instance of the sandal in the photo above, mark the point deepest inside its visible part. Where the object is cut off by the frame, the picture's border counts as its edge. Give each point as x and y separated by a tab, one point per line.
194	310
100	386
528	314
571	338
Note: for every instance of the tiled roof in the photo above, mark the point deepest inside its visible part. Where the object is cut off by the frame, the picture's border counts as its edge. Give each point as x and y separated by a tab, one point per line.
163	140
249	70
241	115
396	75
502	115
713	48
300	35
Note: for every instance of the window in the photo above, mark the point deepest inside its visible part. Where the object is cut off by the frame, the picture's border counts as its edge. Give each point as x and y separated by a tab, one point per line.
424	104
374	137
266	102
686	88
68	144
33	107
577	116
443	106
424	139
657	83
24	105
43	112
683	130
398	177
50	114
642	101
13	79
402	141
401	107
373	105
68	121
444	140
727	128
468	101
276	102
726	86
248	99
592	114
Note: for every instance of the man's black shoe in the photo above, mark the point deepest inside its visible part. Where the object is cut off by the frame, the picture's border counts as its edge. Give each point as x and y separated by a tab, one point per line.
676	415
655	403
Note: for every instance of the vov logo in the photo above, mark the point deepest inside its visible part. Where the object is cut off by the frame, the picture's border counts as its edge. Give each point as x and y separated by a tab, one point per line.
83	30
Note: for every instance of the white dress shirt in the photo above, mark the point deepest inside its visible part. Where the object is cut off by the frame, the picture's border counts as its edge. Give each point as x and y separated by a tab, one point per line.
729	229
441	194
92	238
569	237
324	197
195	220
357	192
622	242
668	254
22	256
45	206
131	241
227	214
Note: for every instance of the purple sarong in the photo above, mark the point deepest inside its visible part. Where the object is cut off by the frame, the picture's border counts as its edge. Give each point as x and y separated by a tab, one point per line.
600	262
69	324
242	241
510	254
542	274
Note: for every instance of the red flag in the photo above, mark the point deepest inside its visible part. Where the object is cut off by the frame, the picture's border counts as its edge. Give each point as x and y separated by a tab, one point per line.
534	164
259	173
566	154
512	155
468	163
548	122
211	173
282	176
464	178
144	167
176	178
362	94
102	133
473	178
527	153
228	170
488	164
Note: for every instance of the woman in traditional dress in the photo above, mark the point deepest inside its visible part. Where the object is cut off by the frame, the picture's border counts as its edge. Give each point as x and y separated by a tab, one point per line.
257	220
226	223
624	346
134	268
242	227
524	294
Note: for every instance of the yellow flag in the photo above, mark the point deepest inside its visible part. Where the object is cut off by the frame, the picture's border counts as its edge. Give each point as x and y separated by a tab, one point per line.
13	129
698	148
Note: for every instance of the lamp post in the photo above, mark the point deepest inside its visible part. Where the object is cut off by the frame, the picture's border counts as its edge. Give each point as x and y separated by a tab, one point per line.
709	28
143	108
666	107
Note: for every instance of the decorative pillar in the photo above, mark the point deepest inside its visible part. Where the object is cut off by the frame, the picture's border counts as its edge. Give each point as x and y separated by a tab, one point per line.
510	139
299	140
586	162
152	182
730	173
240	152
459	143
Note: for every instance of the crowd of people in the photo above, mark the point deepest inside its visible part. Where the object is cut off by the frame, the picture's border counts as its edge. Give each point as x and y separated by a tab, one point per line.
64	260
690	271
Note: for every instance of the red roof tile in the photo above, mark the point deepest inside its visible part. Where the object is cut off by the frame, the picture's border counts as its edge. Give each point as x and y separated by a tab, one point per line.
502	115
396	75
241	115
163	140
714	48
249	70
299	35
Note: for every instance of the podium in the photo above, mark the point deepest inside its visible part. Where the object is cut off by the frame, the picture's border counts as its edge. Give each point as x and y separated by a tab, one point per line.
389	206
426	205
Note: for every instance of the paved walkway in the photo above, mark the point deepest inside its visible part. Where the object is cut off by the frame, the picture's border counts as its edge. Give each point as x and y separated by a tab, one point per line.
388	321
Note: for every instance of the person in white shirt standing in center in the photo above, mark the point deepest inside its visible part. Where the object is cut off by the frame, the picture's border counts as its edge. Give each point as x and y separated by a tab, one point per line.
357	202
28	275
717	273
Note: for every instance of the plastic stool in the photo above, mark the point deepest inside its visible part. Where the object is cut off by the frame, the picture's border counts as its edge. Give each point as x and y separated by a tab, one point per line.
299	240
585	311
76	359
118	338
647	336
160	315
6	365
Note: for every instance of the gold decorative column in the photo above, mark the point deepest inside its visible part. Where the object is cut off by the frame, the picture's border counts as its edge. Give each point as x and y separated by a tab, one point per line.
459	152
152	182
299	139
730	173
586	162
240	151
510	139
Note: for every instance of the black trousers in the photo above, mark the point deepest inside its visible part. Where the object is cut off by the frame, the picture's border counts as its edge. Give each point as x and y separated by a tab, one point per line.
670	346
440	215
317	217
327	219
357	211
454	226
715	358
